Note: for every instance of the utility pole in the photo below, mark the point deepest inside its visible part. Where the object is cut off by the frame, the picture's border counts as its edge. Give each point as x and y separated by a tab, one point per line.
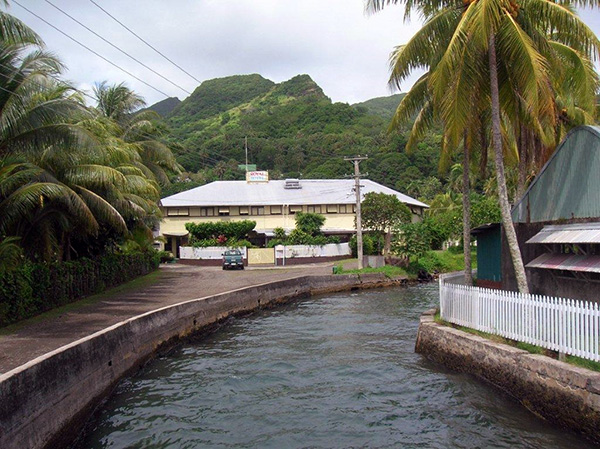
246	148
356	160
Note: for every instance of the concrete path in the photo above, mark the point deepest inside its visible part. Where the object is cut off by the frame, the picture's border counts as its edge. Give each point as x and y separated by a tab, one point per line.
172	284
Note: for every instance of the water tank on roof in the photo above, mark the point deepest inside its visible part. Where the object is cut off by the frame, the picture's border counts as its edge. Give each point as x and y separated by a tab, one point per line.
292	184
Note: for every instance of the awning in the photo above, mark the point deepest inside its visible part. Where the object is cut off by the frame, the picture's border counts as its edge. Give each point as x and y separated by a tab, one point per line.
568	262
481	229
175	234
575	233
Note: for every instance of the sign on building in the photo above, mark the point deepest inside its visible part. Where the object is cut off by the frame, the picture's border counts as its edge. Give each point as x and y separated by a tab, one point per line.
257	176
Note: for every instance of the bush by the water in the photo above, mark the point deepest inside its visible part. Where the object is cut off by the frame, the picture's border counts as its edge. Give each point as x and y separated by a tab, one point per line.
372	245
33	288
441	262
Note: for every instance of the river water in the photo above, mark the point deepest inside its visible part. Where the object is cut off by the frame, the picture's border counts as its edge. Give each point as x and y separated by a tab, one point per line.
326	372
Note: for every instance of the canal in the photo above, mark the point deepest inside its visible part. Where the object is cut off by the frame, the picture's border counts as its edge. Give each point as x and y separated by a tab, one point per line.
327	372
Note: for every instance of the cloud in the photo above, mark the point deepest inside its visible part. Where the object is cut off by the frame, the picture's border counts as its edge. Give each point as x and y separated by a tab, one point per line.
345	50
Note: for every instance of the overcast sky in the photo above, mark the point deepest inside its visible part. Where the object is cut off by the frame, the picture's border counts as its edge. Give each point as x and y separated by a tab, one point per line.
341	47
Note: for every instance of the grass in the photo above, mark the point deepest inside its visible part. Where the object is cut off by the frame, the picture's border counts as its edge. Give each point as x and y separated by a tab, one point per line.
532	349
431	261
135	284
443	261
389	270
583	363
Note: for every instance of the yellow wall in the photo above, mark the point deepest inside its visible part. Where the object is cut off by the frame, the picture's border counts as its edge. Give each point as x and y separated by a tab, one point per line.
261	256
172	224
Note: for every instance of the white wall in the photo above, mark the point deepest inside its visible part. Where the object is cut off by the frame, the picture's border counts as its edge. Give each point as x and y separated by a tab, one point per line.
291	251
210	252
329	250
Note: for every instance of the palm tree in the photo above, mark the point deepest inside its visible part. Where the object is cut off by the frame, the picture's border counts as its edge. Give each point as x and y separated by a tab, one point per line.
418	101
502	50
120	105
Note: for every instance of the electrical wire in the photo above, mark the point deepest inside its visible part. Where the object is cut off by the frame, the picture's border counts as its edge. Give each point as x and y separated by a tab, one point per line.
117	47
55	78
90	50
144	41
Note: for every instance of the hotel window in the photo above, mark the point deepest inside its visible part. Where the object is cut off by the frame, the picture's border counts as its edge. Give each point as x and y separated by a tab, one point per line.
178	211
223	211
332	209
207	212
275	210
257	210
244	210
295	209
313	209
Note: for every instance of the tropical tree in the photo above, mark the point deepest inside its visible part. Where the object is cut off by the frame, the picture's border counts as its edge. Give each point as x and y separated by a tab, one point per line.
65	177
502	50
118	110
382	213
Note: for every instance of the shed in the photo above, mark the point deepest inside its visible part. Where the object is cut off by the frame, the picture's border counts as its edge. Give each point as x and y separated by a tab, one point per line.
557	222
568	186
489	254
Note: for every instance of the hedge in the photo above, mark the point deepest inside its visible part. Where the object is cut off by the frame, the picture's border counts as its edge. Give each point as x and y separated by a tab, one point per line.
212	230
33	288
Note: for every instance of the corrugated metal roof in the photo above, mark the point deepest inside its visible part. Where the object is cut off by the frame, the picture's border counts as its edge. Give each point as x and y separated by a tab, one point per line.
568	186
568	262
575	233
484	227
272	193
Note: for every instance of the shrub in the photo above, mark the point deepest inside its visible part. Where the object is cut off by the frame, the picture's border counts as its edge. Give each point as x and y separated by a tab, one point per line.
371	245
166	256
299	237
214	230
309	223
279	234
412	240
32	288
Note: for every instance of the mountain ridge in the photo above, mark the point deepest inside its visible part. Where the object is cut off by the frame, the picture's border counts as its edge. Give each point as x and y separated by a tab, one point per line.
293	130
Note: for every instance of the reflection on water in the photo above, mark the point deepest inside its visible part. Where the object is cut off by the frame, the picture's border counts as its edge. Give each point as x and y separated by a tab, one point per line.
330	372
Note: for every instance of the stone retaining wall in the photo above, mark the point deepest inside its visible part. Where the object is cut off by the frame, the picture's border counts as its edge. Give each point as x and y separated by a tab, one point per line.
44	403
564	394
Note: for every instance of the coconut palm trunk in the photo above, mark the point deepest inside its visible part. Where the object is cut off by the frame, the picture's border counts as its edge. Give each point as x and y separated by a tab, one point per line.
466	203
507	223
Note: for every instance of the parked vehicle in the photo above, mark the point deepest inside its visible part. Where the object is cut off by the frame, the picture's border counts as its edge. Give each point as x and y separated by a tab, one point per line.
233	259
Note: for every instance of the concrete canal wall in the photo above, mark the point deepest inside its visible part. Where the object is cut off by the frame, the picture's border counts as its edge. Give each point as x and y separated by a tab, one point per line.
559	392
44	402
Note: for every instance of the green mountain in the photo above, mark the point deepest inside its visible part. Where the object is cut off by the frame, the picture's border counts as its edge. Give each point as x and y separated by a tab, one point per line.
293	130
165	107
384	107
218	95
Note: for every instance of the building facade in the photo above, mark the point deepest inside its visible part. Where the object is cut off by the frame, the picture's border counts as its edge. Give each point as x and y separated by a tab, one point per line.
271	204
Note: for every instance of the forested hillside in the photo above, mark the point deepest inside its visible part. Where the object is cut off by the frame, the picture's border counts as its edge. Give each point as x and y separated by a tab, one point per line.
165	107
293	130
384	107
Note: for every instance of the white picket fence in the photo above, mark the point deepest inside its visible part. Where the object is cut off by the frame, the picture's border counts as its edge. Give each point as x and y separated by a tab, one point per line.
564	325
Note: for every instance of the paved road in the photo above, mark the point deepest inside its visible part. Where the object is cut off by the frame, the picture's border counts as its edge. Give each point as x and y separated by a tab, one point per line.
174	284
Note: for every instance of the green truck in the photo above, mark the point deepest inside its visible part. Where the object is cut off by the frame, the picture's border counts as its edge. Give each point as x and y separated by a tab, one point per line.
233	258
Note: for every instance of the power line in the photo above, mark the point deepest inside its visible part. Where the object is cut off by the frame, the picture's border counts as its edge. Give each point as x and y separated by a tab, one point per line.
55	78
90	50
117	47
145	42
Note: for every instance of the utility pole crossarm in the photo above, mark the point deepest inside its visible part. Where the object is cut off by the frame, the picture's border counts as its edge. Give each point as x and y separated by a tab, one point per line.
359	244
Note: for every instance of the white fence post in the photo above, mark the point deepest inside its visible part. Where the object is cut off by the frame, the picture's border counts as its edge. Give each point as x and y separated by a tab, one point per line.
563	325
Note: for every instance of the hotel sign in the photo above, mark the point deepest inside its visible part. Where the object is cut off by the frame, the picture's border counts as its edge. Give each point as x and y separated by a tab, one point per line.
257	176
